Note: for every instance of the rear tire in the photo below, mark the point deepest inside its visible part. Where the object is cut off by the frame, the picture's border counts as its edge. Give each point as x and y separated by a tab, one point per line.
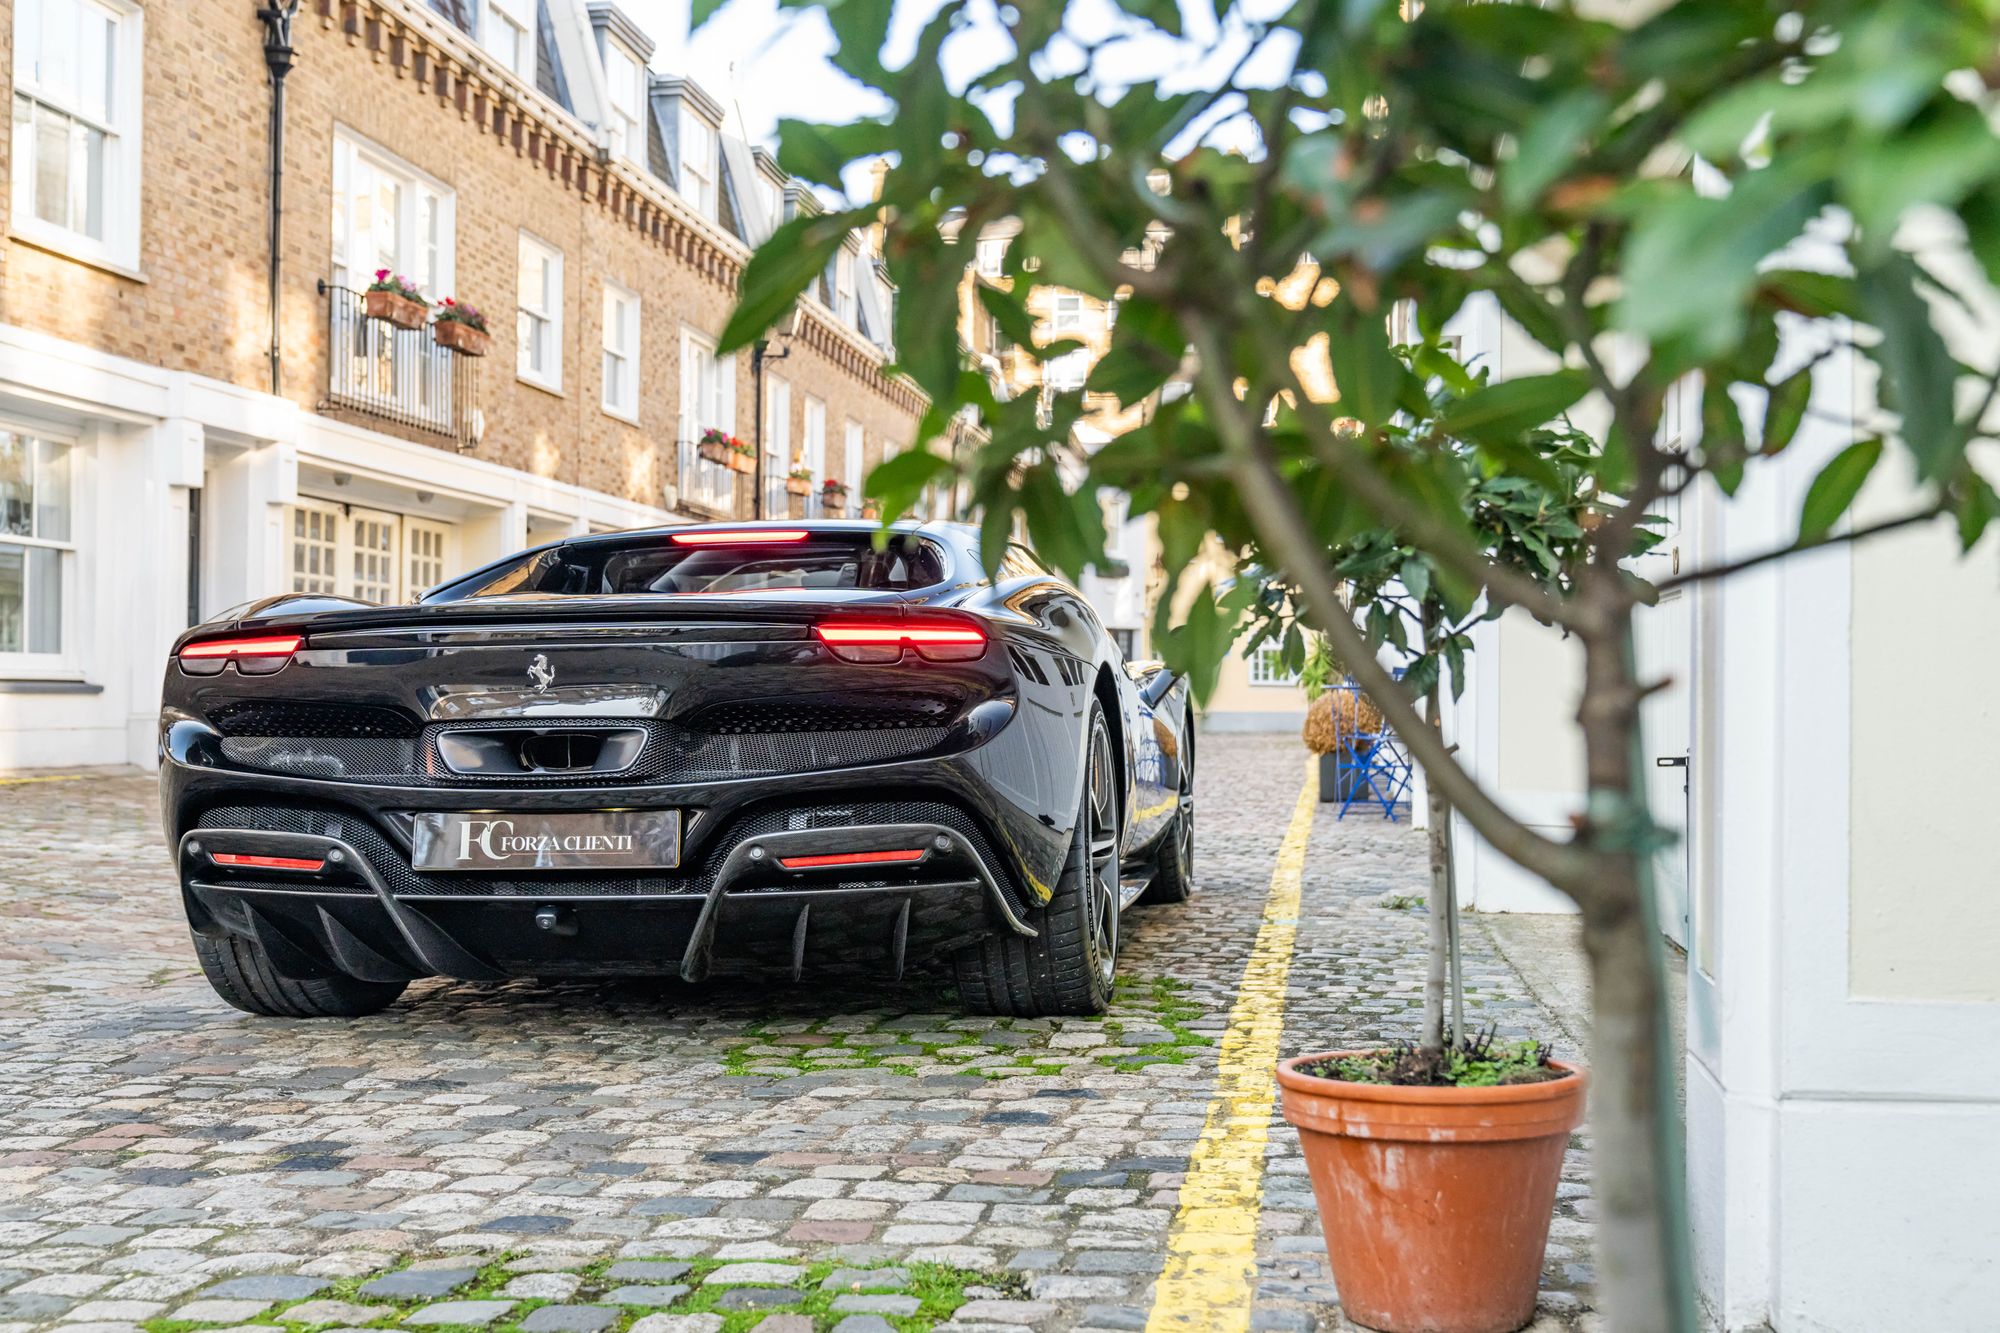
241	973
1173	877
1069	966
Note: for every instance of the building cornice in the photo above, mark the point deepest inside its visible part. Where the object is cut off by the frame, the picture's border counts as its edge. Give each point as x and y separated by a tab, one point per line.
423	49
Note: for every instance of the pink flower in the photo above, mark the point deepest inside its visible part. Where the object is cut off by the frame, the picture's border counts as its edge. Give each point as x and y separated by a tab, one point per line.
381	274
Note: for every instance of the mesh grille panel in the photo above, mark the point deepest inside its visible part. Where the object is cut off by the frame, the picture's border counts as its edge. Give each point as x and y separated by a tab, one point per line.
312	719
349	757
823	713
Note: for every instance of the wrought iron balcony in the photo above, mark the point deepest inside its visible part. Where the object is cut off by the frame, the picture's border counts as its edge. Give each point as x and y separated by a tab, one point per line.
382	370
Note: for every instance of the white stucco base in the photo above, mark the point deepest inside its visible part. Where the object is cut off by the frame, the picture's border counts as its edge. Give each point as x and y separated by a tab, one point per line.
143	441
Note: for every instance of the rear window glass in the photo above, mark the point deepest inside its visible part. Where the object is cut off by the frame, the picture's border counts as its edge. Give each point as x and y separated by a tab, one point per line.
660	565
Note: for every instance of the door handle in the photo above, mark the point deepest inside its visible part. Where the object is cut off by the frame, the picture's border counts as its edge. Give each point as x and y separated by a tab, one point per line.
1671	761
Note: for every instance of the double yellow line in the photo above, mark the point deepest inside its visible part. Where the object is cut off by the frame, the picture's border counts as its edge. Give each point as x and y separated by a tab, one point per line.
1211	1271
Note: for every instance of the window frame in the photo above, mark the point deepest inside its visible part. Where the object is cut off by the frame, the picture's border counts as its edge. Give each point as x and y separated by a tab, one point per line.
27	664
717	483
624	126
706	200
1070	320
846	298
351	150
777	441
122	125
1262	668
626	406
551	259
523	67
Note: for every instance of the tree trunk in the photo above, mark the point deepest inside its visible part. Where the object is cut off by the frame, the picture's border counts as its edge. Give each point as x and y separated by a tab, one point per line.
1439	902
1644	1277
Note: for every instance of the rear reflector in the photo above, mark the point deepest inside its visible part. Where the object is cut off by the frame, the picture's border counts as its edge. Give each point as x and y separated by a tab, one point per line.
884	641
243	861
902	856
741	537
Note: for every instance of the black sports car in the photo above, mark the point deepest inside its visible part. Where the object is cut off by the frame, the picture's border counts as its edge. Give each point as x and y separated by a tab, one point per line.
764	747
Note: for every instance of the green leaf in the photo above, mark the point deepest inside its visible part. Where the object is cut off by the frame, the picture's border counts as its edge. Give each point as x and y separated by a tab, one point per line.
1936	162
898	480
1786	409
1505	411
1131	373
1548	145
1367	375
780	272
1978	507
1010	312
1416	576
1692	261
1834	489
1918	375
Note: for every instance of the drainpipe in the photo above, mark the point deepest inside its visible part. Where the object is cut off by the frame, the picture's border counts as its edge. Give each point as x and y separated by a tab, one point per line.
757	350
278	56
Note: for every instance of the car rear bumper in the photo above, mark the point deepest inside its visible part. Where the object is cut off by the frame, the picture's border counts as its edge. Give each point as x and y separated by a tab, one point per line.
321	905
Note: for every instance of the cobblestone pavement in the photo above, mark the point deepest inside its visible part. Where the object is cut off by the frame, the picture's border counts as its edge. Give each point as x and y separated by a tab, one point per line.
561	1159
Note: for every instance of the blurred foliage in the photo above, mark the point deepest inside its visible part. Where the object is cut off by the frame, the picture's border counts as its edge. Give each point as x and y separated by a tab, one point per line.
1527	155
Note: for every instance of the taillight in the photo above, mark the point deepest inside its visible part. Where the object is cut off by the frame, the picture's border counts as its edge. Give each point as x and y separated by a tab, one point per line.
257	655
884	641
741	537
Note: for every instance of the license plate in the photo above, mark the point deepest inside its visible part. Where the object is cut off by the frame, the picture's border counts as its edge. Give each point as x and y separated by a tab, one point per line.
592	840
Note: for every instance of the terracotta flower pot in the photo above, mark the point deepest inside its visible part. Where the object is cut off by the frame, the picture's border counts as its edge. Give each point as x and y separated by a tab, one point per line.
714	451
742	462
798	486
398	310
460	336
1435	1201
834	505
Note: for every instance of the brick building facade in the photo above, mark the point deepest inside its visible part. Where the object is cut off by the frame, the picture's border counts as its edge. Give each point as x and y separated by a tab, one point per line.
517	155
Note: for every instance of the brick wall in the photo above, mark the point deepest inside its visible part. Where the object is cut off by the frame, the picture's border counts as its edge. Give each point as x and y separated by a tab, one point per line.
400	77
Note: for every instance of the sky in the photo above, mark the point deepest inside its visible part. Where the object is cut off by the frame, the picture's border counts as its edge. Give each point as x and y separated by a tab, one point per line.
764	64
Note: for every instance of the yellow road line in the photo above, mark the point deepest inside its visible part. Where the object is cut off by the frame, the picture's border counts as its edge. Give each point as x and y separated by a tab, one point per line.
22	782
1211	1271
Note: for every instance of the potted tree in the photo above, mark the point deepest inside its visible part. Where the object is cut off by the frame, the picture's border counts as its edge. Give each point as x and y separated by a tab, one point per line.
394	298
833	497
461	327
1435	1163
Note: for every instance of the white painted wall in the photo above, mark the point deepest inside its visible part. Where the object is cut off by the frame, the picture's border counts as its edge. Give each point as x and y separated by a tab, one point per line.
1843	1165
141	438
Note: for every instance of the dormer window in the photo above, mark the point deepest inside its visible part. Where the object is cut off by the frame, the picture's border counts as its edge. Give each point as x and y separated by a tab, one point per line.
625	115
698	162
506	30
844	303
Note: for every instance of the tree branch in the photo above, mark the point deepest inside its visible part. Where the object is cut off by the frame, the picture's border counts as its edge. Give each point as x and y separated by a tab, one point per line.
1714	572
1300	554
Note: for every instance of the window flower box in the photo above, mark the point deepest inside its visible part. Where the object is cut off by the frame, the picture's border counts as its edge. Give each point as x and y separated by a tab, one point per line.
833	498
394	298
717	446
461	328
800	482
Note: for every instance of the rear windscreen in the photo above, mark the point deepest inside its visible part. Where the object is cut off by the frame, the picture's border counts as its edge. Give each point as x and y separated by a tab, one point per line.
660	565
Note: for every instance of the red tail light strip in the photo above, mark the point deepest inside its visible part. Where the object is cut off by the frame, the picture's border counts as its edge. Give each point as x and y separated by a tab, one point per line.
902	856
741	537
272	645
244	861
884	641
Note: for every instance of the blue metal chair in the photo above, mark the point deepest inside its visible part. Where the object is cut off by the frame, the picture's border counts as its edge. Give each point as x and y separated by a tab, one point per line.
1371	767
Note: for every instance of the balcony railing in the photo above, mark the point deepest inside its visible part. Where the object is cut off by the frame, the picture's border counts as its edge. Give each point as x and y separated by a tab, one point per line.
397	374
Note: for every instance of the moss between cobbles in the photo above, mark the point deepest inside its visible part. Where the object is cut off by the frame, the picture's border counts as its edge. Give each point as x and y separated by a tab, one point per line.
938	1288
1151	1005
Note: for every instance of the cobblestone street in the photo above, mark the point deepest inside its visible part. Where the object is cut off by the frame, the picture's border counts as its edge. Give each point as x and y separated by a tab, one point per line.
576	1158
